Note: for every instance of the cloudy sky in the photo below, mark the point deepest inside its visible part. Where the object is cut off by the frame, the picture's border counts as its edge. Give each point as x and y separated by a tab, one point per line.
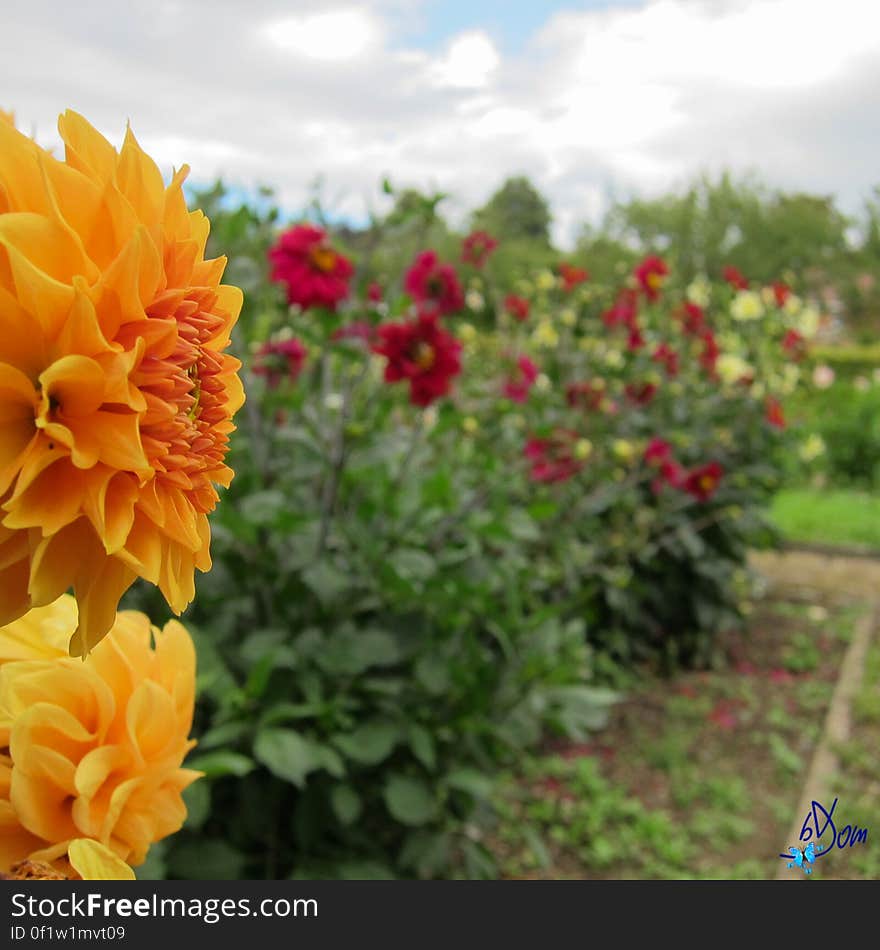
590	98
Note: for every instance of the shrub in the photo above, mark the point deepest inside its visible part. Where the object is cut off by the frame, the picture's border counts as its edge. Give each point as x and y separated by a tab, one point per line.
420	571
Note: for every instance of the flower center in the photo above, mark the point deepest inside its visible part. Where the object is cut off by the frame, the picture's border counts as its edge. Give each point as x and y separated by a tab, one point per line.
435	285
707	483
323	258
423	355
655	281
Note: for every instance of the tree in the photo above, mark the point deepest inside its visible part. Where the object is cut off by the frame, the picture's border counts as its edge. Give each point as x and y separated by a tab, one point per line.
516	211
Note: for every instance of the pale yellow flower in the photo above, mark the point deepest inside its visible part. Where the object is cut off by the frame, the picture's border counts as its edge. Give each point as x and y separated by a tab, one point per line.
623	449
546	280
731	368
583	448
544	335
812	447
699	291
747	306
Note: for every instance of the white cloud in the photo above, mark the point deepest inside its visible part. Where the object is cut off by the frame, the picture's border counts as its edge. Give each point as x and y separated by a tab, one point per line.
621	99
469	61
332	35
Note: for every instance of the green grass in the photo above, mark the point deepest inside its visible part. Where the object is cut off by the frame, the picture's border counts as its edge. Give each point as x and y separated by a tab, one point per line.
828	517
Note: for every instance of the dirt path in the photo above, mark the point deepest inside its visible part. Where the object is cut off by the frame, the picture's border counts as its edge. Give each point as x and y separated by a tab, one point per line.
805	571
839	575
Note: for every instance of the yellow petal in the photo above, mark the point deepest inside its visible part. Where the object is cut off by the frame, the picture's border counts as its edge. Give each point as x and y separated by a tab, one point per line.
95	862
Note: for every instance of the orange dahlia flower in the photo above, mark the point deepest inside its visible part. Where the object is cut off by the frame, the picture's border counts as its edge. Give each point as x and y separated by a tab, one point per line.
92	749
116	395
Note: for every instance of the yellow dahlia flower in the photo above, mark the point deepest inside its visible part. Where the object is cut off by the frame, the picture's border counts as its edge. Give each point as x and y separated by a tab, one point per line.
92	749
116	396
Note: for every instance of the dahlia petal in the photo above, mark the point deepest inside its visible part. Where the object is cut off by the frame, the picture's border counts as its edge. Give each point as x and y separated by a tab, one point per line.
16	843
21	342
41	634
109	437
143	549
110	506
46	299
118	800
76	383
20	174
93	861
85	148
41	807
141	182
14	598
50	502
97	595
94	769
47	244
150	720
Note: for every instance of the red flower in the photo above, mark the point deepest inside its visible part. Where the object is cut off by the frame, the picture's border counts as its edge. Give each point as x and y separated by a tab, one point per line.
651	275
710	353
518	385
516	306
640	394
553	458
657	451
374	292
734	278
693	319
572	276
623	311
781	292
773	412
434	284
670	473
702	482
421	351
476	248
779	675
635	340
795	345
666	355
658	454
588	394
279	360
314	274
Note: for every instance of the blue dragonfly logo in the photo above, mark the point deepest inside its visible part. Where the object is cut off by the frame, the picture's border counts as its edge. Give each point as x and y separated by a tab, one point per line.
803	859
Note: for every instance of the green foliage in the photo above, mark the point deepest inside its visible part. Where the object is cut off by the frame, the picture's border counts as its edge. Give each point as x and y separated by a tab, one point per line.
516	210
847	417
398	608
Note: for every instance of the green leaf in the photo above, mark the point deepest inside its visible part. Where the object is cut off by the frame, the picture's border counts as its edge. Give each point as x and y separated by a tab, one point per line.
432	673
201	860
422	743
263	507
220	763
346	802
522	527
197	799
287	754
325	581
370	743
471	781
409	800
412	564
